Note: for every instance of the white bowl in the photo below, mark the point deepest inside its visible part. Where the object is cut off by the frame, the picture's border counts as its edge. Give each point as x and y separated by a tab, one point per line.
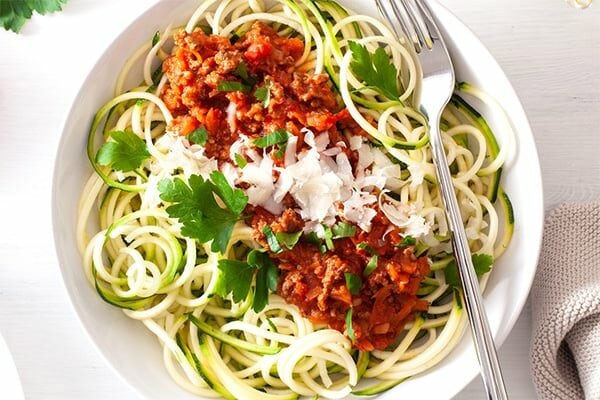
134	352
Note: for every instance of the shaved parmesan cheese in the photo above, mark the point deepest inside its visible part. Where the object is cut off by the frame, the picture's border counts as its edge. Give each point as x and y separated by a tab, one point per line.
417	174
404	216
231	120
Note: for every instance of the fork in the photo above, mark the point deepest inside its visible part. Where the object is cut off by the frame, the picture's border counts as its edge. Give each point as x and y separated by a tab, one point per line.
416	21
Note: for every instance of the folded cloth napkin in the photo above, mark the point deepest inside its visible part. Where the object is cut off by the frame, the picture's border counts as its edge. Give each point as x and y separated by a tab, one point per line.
565	350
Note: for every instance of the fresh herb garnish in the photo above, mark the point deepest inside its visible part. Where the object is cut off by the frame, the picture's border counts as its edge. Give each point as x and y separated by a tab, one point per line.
196	208
349	329
343	229
14	14
353	282
371	265
126	152
242	71
288	240
271	239
266	278
198	136
408	241
232	86
328	237
481	262
235	277
263	94
375	69
313	238
276	137
280	151
240	160
365	246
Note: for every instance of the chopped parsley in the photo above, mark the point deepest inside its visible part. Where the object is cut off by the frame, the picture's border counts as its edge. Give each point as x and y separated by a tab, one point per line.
263	94
343	229
199	136
371	265
349	329
125	152
242	71
266	278
481	262
279	136
272	239
353	282
314	239
240	160
408	241
288	240
375	69
328	236
195	206
232	86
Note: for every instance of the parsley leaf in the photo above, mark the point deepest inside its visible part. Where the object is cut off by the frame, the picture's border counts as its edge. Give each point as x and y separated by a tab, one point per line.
312	238
343	229
235	277
240	160
276	137
271	239
242	71
196	208
198	136
371	265
353	282
349	329
375	69
408	241
328	236
266	278
14	13
288	240
126	152
263	94
481	262
232	86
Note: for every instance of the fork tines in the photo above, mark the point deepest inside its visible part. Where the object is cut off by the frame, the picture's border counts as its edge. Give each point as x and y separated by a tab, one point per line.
411	16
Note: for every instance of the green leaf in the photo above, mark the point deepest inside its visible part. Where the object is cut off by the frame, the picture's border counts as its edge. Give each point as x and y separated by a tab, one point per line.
328	237
353	282
408	241
234	199
198	136
235	277
481	262
14	13
196	208
371	265
312	238
365	246
266	278
272	239
288	240
277	137
343	229
263	94
349	328
232	86
125	152
242	71
240	160
375	69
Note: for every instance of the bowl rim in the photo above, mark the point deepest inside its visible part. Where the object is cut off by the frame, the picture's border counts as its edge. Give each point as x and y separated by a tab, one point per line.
437	8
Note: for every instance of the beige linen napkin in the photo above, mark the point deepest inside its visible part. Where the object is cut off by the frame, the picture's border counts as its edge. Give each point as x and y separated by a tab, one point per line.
565	351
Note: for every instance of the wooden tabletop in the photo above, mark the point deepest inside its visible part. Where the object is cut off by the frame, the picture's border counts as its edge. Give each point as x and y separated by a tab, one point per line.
550	52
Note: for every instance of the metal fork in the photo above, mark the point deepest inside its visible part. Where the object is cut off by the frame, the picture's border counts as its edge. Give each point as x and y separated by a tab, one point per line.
416	21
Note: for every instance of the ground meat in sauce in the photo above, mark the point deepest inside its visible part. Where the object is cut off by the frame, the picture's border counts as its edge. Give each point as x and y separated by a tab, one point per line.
311	279
315	281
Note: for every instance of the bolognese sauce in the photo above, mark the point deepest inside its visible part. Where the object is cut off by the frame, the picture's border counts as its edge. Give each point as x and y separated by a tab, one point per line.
212	83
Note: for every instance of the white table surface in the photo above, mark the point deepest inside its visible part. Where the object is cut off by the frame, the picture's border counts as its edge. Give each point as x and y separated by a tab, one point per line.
550	52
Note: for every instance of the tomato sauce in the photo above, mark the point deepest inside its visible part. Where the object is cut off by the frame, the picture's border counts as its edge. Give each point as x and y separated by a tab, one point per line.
310	278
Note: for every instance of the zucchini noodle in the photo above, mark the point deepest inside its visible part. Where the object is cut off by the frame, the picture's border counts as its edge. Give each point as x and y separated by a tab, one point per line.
136	257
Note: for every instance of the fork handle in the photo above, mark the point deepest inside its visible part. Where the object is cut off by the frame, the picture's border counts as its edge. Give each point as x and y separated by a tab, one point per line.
484	344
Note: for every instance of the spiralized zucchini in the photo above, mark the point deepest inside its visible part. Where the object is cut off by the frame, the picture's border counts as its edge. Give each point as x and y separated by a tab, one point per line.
137	259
